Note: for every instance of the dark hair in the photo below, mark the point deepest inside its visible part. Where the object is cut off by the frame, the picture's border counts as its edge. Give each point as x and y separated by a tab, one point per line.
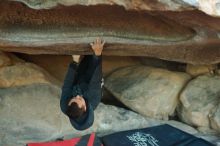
74	111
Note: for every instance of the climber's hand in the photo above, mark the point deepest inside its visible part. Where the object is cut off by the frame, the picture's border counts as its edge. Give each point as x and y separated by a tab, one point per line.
97	46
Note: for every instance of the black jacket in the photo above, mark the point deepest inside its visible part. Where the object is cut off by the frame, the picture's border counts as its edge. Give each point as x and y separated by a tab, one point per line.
84	80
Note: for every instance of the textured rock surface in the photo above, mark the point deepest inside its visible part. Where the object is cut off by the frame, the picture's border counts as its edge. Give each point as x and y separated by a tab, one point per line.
128	33
211	7
149	91
40	118
75	22
198	99
29	113
23	74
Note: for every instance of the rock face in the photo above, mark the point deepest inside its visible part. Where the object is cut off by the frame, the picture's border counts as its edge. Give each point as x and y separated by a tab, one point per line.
24	114
40	118
149	91
208	6
128	33
199	101
30	110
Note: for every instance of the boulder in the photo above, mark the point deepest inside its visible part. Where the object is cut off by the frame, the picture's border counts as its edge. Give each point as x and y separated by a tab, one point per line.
32	113
23	74
29	113
152	92
157	34
197	101
110	119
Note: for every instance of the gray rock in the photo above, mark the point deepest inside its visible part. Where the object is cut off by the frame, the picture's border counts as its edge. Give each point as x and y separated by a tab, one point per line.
29	113
32	113
199	99
152	92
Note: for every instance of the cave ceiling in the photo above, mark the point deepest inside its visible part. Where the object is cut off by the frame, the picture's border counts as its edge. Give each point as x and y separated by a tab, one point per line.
211	7
170	30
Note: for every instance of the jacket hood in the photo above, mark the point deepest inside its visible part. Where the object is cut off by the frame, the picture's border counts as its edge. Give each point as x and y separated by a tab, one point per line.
85	121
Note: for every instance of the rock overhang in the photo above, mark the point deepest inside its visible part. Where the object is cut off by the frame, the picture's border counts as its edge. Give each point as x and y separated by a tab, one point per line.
211	7
69	29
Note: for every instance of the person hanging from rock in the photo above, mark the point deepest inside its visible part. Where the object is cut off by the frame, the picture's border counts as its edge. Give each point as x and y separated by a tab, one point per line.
82	87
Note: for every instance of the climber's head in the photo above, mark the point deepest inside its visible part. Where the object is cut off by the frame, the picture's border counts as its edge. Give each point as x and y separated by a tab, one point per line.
76	107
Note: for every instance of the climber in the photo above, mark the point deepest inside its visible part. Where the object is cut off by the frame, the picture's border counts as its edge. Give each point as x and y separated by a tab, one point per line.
82	88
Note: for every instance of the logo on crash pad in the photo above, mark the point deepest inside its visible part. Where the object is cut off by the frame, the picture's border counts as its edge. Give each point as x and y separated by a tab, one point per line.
143	139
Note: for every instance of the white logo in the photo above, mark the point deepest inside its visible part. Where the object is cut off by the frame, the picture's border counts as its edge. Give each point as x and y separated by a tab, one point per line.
143	139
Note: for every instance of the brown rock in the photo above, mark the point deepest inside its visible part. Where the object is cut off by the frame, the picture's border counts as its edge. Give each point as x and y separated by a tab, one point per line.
111	63
56	65
128	33
4	59
196	70
23	74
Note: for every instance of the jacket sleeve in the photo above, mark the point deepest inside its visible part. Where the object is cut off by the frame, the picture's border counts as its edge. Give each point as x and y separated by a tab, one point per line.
94	91
68	86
